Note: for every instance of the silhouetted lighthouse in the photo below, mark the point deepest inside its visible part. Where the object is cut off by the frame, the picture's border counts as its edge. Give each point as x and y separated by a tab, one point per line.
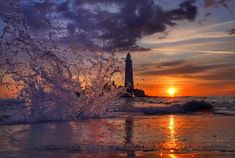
129	83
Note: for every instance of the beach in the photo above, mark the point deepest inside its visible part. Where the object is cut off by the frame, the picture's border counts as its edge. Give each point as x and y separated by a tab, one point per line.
173	136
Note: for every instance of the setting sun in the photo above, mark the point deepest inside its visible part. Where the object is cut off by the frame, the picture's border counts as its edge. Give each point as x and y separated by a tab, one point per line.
171	91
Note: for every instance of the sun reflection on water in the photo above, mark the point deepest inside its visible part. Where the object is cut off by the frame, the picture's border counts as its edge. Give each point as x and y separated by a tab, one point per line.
172	144
172	156
172	141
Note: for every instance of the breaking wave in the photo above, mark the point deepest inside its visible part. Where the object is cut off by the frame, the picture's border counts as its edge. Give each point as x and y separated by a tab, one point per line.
188	107
51	82
14	111
224	105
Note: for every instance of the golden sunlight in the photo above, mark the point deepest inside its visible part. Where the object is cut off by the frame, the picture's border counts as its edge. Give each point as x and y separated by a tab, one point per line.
171	91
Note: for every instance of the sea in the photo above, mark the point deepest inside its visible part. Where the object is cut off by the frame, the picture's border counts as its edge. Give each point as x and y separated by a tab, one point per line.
159	127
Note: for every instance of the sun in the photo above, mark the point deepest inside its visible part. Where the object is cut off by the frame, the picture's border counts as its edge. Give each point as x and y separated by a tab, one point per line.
171	91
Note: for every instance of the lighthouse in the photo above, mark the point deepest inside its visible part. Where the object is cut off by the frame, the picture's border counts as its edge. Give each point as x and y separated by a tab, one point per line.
129	82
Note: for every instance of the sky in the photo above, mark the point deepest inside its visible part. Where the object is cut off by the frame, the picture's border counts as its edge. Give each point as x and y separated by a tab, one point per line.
197	58
184	44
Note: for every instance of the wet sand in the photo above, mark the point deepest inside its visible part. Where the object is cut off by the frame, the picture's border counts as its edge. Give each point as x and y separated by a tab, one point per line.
167	136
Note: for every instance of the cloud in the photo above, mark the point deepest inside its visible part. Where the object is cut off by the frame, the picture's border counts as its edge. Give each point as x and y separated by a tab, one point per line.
186	69
231	32
191	34
225	74
177	49
173	63
219	67
216	3
112	24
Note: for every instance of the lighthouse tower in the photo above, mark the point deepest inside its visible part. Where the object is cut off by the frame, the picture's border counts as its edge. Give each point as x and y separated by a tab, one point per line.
129	83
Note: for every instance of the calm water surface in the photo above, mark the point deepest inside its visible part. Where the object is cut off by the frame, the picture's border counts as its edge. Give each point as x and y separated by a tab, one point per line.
173	136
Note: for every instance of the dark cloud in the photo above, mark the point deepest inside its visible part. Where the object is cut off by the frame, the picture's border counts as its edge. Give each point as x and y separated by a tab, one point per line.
216	3
207	14
34	12
231	32
44	7
63	7
34	19
112	24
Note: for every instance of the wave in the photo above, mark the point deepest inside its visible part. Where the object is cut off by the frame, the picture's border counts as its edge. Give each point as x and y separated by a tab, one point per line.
14	111
53	81
188	107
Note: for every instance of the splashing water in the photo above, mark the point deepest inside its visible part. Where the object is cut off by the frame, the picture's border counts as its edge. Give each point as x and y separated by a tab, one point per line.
52	86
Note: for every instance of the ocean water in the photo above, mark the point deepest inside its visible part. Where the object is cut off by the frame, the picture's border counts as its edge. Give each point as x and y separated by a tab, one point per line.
224	105
140	127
